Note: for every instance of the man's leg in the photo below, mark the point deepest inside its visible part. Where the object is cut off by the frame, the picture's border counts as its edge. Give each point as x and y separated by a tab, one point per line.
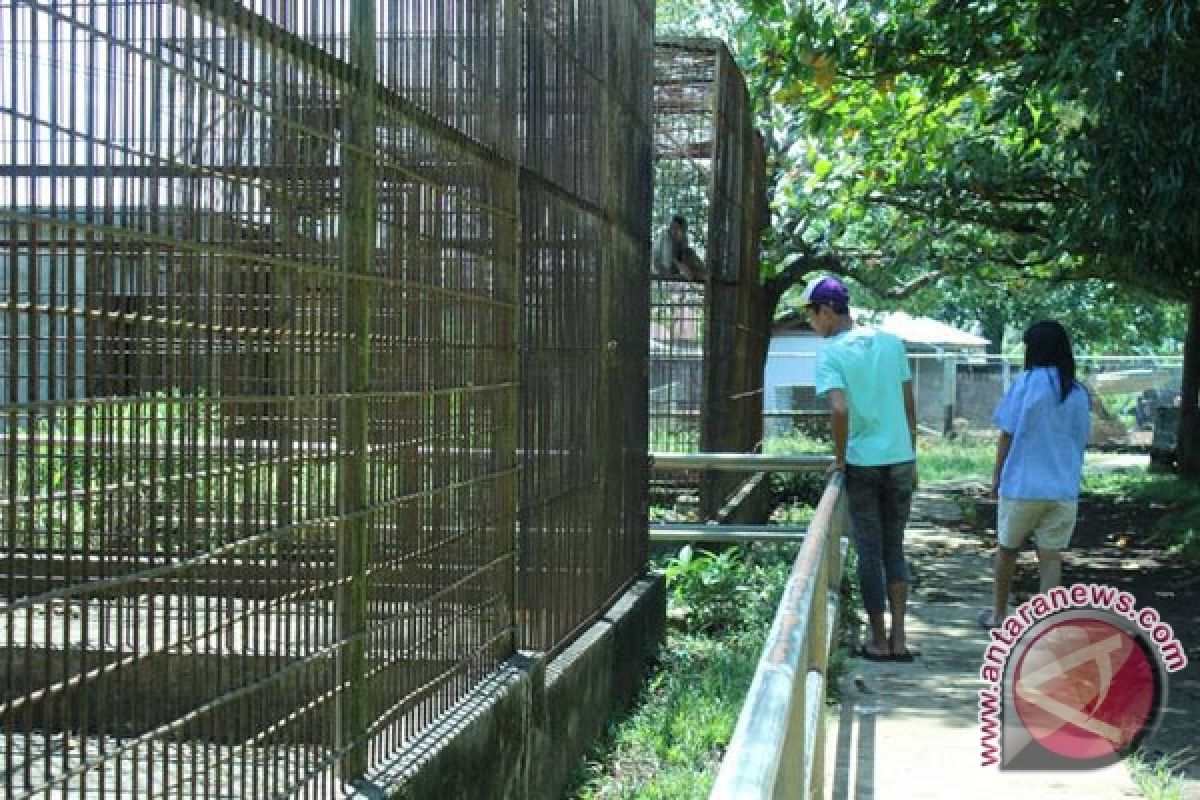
862	495
895	505
898	602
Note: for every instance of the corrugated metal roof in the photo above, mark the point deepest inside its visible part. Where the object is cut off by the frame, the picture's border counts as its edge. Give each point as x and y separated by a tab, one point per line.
912	330
919	330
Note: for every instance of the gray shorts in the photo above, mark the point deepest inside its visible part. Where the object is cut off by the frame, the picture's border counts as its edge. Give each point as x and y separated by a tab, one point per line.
1050	521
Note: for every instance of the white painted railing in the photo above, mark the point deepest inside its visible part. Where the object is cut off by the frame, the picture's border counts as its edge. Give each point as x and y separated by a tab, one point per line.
778	748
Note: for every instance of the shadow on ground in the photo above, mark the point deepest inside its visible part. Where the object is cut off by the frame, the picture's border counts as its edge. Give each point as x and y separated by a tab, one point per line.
912	730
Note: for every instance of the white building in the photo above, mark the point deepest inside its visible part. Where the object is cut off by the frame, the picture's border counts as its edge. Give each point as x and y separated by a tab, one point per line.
788	375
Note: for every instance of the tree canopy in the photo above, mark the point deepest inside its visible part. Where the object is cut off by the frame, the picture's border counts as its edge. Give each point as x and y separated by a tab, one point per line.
982	160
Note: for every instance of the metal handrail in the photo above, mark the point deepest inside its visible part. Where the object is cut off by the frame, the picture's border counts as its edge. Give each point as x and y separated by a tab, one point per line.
704	533
739	462
778	746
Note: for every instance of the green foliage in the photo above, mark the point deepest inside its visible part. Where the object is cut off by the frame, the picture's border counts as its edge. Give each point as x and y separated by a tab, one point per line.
995	136
1178	527
799	443
795	513
805	487
671	746
1138	485
937	459
91	467
1159	778
1187	543
984	163
734	589
674	441
140	472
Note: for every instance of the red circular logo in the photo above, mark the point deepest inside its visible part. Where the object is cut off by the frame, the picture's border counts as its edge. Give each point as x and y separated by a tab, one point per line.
1085	689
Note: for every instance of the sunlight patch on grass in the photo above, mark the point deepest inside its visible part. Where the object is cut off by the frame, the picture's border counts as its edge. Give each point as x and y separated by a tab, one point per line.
945	459
937	458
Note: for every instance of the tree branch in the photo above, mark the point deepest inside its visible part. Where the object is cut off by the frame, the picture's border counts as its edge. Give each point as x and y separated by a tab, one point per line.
1016	224
915	285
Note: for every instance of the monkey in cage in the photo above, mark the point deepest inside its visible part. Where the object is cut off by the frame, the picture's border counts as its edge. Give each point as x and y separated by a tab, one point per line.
673	257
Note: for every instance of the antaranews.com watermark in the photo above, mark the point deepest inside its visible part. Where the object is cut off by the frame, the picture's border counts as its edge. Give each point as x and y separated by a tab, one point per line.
1074	679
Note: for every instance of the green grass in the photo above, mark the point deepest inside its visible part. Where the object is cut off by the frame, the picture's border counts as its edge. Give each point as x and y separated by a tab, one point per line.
721	606
678	440
937	458
1158	779
671	745
1178	528
942	459
797	443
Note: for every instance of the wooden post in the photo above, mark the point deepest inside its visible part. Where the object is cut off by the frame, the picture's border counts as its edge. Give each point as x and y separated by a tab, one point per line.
357	247
949	388
509	262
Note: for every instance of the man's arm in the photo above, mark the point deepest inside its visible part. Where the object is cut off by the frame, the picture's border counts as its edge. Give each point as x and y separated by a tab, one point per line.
839	426
910	412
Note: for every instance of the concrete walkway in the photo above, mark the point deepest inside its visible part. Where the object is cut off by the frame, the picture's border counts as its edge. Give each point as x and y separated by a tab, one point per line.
912	730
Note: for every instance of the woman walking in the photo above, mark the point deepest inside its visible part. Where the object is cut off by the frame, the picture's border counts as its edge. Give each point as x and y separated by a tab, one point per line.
1044	422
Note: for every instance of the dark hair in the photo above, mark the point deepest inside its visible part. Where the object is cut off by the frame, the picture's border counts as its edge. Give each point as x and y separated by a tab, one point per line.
1048	345
678	219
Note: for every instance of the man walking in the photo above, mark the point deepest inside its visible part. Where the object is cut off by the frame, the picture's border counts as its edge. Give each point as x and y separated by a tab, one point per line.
864	375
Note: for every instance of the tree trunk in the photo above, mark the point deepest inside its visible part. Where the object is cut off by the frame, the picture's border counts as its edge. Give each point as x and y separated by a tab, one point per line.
993	324
1188	441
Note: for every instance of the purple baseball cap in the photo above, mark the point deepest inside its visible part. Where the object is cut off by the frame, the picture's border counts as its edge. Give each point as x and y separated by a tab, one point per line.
826	290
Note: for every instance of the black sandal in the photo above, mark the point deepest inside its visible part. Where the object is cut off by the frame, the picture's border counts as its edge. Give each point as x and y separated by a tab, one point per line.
863	652
986	620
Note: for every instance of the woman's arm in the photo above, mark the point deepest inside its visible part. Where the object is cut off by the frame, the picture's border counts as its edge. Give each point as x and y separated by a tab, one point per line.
1002	447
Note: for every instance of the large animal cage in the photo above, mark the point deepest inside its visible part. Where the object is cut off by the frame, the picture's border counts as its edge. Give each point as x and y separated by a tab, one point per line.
708	339
321	374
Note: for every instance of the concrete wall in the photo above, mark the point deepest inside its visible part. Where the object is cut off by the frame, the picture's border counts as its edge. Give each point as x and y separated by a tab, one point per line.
520	735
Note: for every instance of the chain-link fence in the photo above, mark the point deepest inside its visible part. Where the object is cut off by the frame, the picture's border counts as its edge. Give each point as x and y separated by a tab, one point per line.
284	284
957	392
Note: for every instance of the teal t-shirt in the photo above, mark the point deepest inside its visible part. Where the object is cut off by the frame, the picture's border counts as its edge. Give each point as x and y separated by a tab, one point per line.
870	367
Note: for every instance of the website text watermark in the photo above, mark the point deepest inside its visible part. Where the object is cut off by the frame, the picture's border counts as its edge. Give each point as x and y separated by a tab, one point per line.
1030	695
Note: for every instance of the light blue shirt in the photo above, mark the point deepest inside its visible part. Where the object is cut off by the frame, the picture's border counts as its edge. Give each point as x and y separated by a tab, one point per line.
1045	459
871	368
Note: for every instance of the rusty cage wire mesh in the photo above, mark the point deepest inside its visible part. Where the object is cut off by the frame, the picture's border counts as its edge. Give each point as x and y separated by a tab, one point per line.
708	338
321	390
586	158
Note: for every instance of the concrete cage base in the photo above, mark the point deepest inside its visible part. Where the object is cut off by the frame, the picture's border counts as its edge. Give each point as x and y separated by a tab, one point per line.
520	735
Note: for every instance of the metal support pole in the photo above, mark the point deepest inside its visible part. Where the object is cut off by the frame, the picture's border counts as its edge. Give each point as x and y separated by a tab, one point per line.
358	247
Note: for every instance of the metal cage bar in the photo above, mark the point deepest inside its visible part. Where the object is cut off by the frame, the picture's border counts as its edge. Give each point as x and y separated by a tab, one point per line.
278	485
708	338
